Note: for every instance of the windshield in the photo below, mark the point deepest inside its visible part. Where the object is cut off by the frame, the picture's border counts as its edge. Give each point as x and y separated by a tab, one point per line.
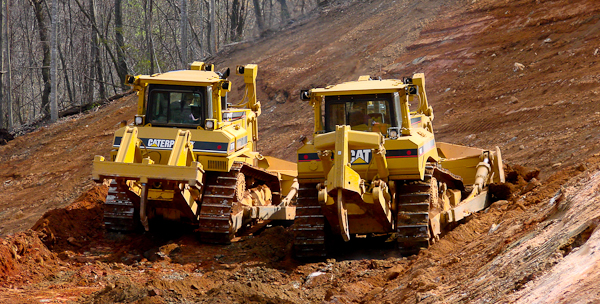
176	105
371	113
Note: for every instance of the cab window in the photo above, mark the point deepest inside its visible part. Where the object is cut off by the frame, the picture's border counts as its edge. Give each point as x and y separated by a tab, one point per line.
370	113
180	106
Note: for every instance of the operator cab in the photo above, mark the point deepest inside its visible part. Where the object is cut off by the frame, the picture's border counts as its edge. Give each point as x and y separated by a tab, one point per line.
178	106
369	112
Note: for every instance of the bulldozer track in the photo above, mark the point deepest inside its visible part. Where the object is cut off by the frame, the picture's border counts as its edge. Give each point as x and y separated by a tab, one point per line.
309	226
214	222
120	213
415	208
220	200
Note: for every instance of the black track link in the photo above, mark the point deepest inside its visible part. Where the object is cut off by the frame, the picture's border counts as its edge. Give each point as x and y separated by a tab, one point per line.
120	214
309	225
217	205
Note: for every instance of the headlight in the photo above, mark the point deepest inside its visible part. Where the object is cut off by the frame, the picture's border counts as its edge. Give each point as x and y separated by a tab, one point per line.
393	133
210	124
139	120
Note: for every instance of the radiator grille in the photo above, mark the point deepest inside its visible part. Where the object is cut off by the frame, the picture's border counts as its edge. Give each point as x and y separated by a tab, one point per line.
217	165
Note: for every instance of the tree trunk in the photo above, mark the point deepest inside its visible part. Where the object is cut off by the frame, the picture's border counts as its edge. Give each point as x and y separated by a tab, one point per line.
53	74
42	21
66	73
212	47
237	19
148	7
184	34
285	12
96	55
9	69
121	64
260	21
2	121
92	19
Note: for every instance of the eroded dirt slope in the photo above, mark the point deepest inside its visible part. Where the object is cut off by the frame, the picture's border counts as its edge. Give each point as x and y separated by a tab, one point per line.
51	166
523	75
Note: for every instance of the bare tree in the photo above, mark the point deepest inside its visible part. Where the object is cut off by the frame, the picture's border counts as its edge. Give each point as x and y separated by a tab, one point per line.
97	69
148	7
2	123
237	19
101	41
53	73
9	72
212	47
260	22
42	22
285	12
121	64
184	33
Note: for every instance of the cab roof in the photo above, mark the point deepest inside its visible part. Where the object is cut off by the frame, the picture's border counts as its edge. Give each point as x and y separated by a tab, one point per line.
182	77
361	87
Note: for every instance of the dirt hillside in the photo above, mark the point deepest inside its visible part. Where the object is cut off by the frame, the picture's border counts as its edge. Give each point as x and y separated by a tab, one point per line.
522	75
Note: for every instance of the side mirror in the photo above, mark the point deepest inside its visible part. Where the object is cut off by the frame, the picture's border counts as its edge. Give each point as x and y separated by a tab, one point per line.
304	94
412	90
240	70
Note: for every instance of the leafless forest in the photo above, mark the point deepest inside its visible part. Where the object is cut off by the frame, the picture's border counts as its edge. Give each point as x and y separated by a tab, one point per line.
64	56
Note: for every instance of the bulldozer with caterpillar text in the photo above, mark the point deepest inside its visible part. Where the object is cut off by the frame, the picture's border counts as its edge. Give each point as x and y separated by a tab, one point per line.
190	157
374	168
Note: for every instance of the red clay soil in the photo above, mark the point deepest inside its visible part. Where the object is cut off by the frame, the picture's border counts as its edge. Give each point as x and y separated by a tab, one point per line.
50	167
83	218
523	75
155	268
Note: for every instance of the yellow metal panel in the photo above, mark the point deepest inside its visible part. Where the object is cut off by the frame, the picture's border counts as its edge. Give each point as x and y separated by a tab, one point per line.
128	147
324	141
160	195
138	171
306	167
353	209
181	153
287	169
341	175
452	151
356	140
361	87
463	167
182	77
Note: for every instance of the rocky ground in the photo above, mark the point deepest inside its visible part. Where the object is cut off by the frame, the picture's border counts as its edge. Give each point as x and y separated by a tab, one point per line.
522	75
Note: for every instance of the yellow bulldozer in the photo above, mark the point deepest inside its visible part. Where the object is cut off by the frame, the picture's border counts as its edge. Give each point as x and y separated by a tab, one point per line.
375	168
190	157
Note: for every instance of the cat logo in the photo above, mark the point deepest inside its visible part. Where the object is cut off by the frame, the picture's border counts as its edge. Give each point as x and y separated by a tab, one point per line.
361	157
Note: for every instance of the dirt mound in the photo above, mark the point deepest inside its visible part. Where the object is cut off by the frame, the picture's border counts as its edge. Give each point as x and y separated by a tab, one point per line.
76	225
24	258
